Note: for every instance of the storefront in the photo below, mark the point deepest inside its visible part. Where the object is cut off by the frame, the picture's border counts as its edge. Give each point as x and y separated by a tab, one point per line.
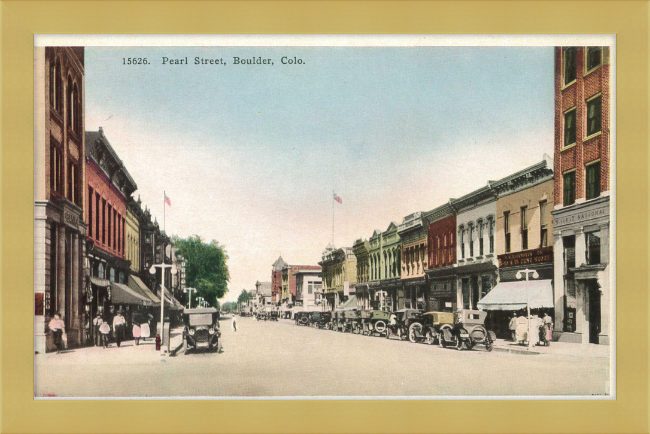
582	298
415	294
512	295
443	296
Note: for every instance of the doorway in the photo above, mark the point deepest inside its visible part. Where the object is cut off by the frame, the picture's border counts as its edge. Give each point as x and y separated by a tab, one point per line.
594	311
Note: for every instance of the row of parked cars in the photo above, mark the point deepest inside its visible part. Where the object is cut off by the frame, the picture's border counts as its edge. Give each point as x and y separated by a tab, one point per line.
463	329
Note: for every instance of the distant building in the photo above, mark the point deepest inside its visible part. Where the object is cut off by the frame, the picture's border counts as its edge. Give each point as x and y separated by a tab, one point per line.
309	289
413	234
289	280
441	246
365	297
276	279
263	293
339	275
582	190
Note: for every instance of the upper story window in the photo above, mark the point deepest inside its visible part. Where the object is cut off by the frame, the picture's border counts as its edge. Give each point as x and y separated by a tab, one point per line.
480	237
594	57
569	190
569	64
56	85
593	180
491	223
570	127
593	248
506	226
462	242
543	224
56	169
524	229
594	113
471	241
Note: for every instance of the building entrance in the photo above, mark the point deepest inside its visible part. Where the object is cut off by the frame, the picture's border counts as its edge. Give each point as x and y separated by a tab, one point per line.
593	292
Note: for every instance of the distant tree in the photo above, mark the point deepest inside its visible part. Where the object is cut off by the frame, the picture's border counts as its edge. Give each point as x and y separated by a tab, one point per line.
229	306
244	296
206	267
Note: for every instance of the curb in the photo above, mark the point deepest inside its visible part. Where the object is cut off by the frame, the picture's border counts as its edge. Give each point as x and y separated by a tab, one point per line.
515	351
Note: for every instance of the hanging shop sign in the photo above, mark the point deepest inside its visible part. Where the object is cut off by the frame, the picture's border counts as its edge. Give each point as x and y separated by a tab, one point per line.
527	257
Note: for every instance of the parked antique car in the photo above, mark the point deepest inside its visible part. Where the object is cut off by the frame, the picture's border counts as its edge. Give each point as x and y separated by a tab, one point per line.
374	322
322	320
468	330
398	323
301	318
273	315
428	327
261	316
201	329
350	317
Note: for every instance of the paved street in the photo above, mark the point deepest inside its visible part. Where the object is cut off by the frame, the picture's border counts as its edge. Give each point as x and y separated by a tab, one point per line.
282	359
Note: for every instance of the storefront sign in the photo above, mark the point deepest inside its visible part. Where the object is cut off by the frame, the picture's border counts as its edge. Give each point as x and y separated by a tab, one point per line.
71	218
527	257
581	216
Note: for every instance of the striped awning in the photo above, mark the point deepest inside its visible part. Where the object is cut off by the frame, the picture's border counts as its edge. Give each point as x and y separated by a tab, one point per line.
122	294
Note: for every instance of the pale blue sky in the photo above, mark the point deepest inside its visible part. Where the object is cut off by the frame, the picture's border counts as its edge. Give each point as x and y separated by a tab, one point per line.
250	154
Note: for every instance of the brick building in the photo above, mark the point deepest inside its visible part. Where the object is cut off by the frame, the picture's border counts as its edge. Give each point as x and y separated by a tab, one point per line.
441	250
59	226
108	184
276	280
582	189
288	294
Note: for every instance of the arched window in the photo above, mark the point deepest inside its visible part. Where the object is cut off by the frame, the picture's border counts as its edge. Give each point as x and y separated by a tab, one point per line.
76	109
55	93
70	104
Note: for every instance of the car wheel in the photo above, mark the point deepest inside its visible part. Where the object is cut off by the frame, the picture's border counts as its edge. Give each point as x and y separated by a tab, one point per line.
186	348
412	330
429	338
489	345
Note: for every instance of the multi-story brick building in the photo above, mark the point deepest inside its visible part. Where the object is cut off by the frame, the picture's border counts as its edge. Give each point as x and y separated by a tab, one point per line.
288	294
276	280
582	188
441	247
414	261
108	184
59	228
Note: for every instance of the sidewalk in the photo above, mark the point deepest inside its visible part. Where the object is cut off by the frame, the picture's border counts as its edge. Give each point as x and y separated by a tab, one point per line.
556	348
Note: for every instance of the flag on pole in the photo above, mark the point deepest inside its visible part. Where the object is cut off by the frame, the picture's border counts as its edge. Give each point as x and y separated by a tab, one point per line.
338	199
167	200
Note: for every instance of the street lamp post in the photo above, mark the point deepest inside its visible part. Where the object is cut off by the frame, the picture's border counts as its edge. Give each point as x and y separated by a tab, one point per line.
186	290
535	276
152	270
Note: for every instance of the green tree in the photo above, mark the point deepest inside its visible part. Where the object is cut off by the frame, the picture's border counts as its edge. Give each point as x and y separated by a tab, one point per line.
244	296
229	306
206	268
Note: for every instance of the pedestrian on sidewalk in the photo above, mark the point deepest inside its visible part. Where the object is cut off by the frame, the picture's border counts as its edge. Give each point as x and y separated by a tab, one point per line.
104	331
513	327
548	324
234	324
97	323
57	326
119	323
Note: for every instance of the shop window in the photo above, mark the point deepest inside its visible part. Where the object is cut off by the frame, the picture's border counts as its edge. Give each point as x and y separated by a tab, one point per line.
593	248
594	57
524	229
569	188
569	64
506	224
101	271
570	127
543	223
466	293
569	244
486	285
593	180
112	275
594	113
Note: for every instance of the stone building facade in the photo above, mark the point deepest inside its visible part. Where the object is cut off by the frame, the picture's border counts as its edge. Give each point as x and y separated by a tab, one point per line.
339	268
60	284
581	214
365	297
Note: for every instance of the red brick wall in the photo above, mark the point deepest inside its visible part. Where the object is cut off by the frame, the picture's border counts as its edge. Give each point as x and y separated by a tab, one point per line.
446	255
276	285
99	182
575	95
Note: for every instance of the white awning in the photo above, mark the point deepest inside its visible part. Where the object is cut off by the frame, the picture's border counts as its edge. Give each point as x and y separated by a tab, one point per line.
512	295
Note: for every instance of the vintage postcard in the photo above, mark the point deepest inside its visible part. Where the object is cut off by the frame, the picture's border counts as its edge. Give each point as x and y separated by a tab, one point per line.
364	217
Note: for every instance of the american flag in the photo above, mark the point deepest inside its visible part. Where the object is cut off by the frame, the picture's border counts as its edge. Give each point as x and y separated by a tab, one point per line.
338	199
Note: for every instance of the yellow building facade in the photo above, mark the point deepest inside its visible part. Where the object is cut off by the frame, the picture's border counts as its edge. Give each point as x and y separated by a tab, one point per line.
132	241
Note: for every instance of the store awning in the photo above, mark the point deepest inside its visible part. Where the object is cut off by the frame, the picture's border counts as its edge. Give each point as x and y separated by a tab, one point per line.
137	284
171	301
122	294
350	303
100	282
512	295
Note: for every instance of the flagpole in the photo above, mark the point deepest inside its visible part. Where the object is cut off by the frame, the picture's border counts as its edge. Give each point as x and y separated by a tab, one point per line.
164	203
332	218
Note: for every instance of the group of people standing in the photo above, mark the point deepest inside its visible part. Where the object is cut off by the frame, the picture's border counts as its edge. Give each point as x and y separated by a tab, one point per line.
139	326
541	328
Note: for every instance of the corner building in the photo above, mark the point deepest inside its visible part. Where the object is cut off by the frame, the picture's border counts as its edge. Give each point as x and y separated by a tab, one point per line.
582	205
59	226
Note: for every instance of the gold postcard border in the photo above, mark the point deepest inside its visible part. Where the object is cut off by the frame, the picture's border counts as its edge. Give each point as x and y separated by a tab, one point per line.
628	20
